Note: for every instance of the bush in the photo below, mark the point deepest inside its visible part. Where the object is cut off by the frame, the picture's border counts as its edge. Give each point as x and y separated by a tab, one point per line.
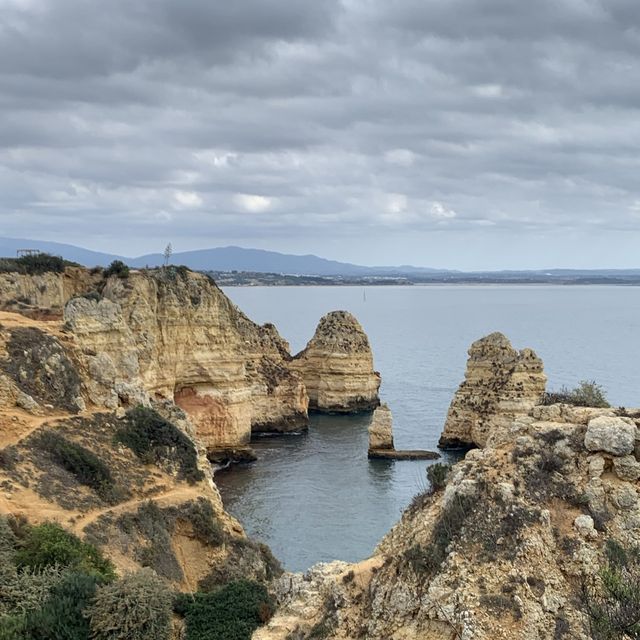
155	440
25	590
136	607
204	521
446	530
437	475
587	394
83	464
49	544
231	613
62	615
612	603
117	268
35	264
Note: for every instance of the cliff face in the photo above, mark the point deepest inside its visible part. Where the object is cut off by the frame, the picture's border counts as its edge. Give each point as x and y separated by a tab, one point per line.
65	460
500	383
337	367
175	335
505	550
47	291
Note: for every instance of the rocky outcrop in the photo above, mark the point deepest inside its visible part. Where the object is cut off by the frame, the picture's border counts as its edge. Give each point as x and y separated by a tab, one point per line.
43	292
172	334
502	553
337	367
381	445
500	383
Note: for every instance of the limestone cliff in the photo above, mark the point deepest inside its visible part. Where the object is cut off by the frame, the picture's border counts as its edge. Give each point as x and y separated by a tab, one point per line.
504	552
173	334
337	367
44	293
83	467
500	383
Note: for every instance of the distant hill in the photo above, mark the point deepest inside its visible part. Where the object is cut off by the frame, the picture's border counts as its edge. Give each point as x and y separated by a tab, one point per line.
216	259
271	262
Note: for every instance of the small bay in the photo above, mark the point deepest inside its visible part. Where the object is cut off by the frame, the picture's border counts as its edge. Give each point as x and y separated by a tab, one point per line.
316	497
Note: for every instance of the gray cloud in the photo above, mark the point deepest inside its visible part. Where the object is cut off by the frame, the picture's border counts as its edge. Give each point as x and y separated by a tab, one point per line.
434	132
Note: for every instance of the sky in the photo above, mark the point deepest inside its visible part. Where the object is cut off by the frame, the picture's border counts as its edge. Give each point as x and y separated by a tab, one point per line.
466	134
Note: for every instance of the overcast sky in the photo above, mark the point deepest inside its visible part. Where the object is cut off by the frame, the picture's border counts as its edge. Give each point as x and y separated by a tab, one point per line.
444	133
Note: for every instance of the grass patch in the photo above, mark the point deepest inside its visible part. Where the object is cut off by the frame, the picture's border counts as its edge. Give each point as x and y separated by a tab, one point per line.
83	464
156	440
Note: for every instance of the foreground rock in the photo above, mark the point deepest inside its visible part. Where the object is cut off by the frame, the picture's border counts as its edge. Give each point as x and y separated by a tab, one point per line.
381	445
505	549
337	367
500	383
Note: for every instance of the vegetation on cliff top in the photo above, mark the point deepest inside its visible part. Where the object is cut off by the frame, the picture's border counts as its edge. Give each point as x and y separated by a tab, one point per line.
36	264
588	393
156	440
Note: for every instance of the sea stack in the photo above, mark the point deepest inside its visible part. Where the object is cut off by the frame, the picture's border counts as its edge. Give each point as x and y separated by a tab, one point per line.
381	430
500	383
381	439
337	367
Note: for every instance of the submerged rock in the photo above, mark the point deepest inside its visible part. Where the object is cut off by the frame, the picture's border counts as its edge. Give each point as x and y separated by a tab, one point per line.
337	367
500	383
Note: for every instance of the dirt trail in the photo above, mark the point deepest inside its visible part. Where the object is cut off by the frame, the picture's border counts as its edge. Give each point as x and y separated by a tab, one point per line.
180	494
16	424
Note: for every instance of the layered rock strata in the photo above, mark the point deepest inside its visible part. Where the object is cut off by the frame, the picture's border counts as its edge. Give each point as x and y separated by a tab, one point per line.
172	334
500	383
337	367
381	439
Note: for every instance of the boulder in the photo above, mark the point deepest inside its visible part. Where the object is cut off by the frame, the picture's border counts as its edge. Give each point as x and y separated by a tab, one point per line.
610	434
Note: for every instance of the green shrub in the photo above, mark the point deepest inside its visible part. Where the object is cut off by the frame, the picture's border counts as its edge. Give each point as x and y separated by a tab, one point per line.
155	440
231	613
117	268
204	521
612	603
437	475
35	264
83	464
8	541
62	615
12	628
136	607
49	544
24	590
587	394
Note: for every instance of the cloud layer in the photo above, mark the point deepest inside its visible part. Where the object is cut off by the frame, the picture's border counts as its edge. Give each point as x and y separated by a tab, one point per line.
456	133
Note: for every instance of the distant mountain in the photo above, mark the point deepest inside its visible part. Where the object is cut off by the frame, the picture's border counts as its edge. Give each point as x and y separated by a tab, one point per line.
272	262
9	246
216	259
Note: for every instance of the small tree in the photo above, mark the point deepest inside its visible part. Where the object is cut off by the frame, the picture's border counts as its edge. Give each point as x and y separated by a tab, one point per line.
168	250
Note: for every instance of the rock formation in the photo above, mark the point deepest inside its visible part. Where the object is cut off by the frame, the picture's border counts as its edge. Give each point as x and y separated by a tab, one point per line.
172	334
67	460
337	367
500	383
45	293
381	430
381	439
502	552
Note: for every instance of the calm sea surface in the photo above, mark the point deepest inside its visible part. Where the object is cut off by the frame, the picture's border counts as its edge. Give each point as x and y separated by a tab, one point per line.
316	497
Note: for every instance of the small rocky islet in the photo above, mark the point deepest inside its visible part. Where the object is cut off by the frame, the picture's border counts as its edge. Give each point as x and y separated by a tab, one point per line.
117	391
